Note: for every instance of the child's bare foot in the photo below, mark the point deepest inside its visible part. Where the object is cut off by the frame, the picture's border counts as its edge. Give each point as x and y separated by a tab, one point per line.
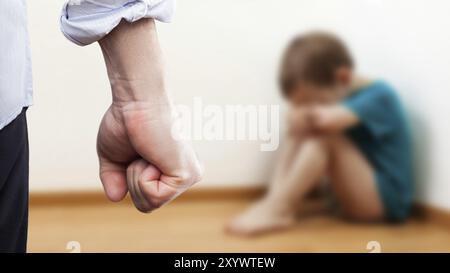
264	216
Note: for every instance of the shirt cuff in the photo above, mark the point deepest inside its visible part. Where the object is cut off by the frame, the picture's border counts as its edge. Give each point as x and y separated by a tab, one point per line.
86	21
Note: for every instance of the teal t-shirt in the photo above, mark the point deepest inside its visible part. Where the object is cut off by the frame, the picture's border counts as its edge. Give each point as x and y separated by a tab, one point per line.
383	136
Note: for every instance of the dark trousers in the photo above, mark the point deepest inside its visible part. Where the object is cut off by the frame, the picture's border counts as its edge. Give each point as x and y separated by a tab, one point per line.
14	185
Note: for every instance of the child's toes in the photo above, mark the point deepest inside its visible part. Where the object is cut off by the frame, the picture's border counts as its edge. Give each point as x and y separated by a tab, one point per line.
235	227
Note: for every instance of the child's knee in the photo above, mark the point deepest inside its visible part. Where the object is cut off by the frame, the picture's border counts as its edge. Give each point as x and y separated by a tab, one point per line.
323	141
315	143
336	142
324	147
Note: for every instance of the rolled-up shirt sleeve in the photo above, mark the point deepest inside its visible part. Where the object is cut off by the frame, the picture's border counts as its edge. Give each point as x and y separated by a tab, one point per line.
87	21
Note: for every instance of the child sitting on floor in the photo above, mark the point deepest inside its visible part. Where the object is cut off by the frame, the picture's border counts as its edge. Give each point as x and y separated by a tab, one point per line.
342	127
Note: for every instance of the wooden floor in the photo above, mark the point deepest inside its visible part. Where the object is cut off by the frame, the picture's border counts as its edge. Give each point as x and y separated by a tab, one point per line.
197	226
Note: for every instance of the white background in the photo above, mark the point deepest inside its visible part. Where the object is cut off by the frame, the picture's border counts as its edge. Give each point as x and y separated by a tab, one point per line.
227	52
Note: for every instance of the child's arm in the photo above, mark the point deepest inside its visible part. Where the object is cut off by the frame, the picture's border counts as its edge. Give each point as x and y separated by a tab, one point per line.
332	118
299	122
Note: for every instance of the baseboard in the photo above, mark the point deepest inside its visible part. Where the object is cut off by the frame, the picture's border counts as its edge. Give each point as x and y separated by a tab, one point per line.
98	197
433	214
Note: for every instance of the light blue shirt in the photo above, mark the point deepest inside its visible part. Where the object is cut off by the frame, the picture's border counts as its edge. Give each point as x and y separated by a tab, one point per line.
85	22
15	65
82	22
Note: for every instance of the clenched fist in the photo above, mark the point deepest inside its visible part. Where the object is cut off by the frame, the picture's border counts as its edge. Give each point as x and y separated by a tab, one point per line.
136	145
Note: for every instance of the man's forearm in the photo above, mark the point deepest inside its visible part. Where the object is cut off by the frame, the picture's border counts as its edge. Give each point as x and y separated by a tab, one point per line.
134	63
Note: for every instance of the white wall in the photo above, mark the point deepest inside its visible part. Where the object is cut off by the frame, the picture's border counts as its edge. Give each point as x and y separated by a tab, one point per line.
226	52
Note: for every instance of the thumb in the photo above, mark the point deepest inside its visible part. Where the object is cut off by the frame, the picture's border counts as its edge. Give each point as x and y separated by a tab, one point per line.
113	177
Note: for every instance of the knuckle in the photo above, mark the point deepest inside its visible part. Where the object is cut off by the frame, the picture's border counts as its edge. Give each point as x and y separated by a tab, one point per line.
192	175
